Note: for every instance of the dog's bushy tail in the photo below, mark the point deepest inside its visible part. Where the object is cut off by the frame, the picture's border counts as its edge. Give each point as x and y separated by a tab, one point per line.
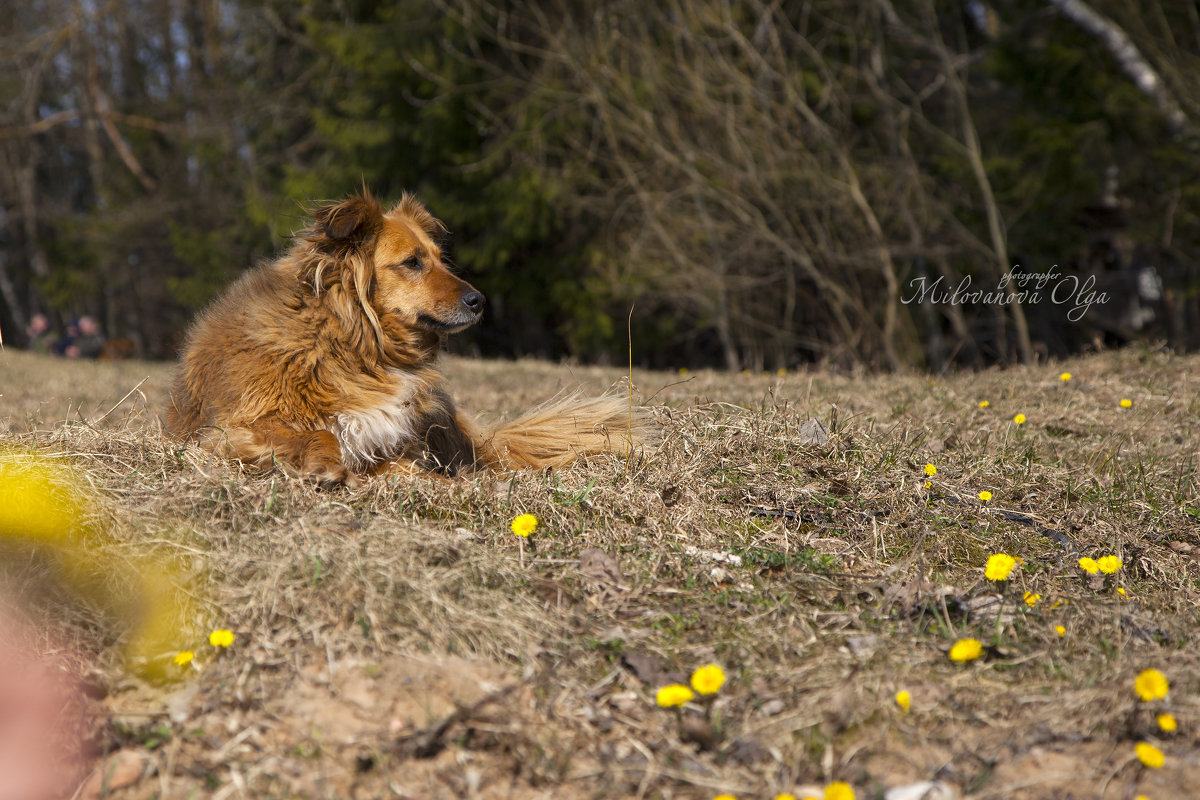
565	428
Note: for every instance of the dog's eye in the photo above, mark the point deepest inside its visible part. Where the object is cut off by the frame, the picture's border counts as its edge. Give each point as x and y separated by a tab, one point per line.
412	263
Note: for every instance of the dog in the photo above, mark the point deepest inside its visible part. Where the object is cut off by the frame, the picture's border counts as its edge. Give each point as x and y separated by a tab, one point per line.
325	361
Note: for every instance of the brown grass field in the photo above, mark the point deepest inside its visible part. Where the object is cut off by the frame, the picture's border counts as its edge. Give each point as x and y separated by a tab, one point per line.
400	642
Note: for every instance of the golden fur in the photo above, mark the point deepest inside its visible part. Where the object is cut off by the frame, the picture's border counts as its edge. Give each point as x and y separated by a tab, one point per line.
325	360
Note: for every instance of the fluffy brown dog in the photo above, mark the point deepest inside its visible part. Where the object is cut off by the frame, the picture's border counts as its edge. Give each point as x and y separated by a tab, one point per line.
325	360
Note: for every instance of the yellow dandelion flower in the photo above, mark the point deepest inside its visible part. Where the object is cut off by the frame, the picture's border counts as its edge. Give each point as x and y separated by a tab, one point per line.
1141	797
1019	419
999	567
524	525
985	495
928	484
1032	598
839	790
930	470
184	658
708	679
1167	722
724	797
904	700
1121	591
220	638
1151	684
1108	564
966	650
785	797
674	695
1060	630
1064	377
1149	755
1126	402
984	404
1089	565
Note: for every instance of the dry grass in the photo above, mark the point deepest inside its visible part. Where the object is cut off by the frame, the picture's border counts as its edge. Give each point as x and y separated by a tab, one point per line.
364	620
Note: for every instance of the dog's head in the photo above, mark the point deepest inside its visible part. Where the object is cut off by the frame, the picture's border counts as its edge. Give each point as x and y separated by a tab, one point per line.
390	263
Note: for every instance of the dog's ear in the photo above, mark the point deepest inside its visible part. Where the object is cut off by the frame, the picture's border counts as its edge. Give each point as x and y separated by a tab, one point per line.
354	220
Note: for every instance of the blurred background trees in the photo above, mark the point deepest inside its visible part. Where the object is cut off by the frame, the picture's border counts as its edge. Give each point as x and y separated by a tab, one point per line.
738	184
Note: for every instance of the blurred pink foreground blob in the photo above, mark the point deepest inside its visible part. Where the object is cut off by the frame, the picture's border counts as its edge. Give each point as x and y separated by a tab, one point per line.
41	723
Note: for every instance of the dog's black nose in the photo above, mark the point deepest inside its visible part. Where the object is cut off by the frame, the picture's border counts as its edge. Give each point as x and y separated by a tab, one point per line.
473	301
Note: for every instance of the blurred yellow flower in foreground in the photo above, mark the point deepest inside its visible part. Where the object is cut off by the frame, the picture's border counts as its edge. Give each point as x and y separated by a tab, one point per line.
1060	630
724	797
1108	564
708	679
1167	722
184	657
1089	565
904	700
839	790
966	650
524	525
1019	419
1126	403
1149	755
984	404
1151	684
674	695
220	638
1032	598
999	566
1064	377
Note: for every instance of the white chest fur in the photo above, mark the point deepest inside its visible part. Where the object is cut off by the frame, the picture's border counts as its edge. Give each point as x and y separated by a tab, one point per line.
371	435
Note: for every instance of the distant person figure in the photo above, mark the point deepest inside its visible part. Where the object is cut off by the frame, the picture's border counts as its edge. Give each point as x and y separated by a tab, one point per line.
41	338
89	343
67	340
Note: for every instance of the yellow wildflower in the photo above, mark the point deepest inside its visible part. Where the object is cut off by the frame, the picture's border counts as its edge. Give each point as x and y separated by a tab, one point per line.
930	470
724	797
708	679
674	695
184	658
1167	722
220	638
1126	403
1032	598
904	700
1108	564
785	797
839	790
1019	419
1151	684
985	495
1121	591
1149	755
966	650
1060	630
524	525
999	567
1089	565
928	484
1066	376
984	404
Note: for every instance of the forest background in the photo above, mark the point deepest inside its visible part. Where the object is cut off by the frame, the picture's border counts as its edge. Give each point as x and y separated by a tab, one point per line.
749	185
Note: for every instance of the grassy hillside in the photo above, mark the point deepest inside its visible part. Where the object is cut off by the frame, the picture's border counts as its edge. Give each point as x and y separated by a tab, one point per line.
400	641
